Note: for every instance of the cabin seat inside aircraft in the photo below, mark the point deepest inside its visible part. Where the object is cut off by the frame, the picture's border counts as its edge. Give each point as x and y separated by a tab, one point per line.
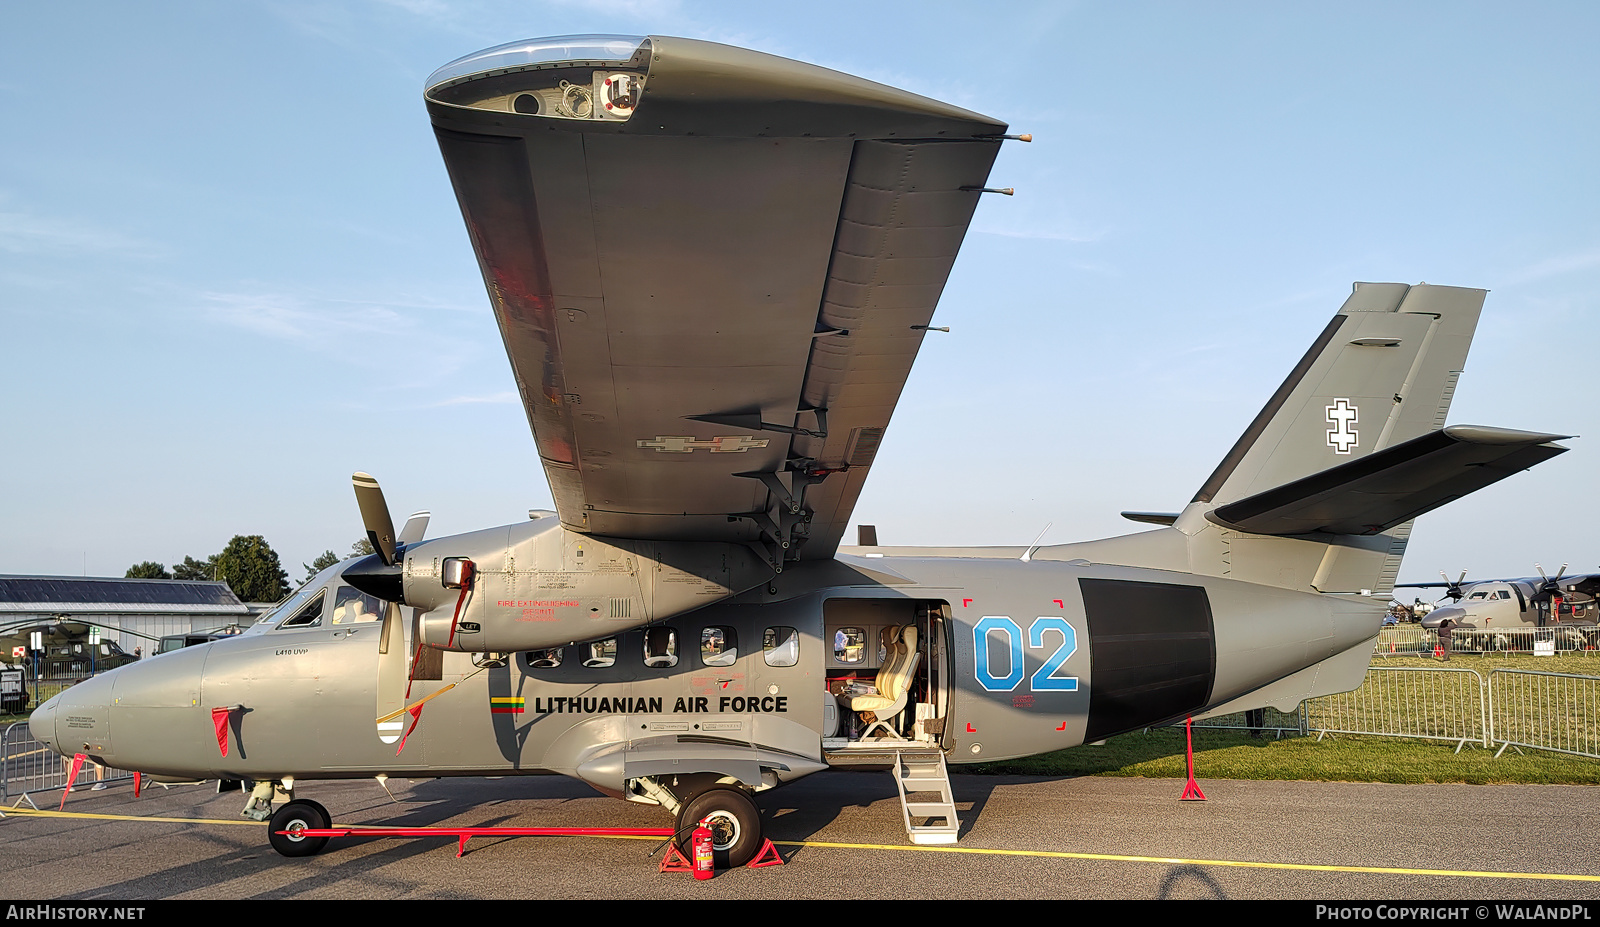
660	647
894	682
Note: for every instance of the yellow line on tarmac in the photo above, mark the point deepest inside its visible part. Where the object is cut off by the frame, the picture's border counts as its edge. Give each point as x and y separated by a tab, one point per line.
977	851
125	817
1243	864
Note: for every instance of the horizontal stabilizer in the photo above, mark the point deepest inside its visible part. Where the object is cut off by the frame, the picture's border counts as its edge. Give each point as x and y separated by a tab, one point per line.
1390	486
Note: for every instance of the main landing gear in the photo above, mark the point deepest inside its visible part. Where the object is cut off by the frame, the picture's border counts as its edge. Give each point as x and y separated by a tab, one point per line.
734	822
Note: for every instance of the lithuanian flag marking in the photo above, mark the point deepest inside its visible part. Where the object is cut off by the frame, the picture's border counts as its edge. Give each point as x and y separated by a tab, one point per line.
505	705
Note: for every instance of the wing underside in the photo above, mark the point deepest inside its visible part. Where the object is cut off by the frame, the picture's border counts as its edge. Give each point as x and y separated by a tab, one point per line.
710	315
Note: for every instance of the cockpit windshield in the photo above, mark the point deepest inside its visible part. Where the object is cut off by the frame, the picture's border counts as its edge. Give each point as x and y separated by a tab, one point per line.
293	603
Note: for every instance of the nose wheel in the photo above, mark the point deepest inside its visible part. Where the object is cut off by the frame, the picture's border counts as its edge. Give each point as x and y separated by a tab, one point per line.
285	832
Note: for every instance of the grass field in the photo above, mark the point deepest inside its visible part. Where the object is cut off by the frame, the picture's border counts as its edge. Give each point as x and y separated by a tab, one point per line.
1344	758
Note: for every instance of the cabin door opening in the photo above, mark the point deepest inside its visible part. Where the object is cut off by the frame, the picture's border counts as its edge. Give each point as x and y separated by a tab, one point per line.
878	650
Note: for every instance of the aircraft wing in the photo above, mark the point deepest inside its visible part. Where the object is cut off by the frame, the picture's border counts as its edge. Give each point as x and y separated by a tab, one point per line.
711	301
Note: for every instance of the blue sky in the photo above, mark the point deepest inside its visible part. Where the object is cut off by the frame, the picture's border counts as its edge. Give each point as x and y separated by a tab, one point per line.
232	271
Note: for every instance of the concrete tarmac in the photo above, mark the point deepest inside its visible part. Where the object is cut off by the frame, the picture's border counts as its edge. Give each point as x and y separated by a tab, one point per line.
841	836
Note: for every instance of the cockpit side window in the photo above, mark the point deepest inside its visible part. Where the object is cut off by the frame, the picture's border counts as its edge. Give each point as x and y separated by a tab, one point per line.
351	605
308	617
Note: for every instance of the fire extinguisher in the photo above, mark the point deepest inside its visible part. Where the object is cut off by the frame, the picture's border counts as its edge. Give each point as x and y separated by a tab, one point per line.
700	841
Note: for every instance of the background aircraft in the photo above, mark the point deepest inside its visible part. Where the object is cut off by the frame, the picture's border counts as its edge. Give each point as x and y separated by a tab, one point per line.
1565	603
712	270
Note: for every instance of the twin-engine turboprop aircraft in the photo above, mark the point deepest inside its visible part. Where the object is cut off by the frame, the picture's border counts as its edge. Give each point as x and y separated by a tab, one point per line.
1493	610
712	270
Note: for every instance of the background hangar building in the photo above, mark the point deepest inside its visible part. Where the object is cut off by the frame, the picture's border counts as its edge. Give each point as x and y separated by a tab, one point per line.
131	612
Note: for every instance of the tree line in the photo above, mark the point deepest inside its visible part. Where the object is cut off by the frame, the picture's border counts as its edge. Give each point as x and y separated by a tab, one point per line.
248	565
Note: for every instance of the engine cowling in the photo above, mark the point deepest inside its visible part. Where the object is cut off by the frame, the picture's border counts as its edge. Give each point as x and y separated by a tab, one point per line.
535	585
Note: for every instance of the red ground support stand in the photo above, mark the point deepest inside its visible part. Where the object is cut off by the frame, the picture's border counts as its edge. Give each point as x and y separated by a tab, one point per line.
767	857
1191	791
675	861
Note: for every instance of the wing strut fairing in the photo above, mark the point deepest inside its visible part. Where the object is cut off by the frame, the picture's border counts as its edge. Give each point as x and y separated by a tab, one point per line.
712	269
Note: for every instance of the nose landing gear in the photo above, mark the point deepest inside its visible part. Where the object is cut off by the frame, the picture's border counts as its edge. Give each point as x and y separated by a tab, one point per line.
286	833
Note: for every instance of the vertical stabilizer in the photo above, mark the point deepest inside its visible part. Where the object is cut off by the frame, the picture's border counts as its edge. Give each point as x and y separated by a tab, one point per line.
1300	502
1383	371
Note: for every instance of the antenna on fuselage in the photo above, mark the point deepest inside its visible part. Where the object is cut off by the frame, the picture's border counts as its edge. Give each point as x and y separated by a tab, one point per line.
1028	557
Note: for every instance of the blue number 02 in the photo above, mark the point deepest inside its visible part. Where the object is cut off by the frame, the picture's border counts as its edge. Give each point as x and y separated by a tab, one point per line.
1043	680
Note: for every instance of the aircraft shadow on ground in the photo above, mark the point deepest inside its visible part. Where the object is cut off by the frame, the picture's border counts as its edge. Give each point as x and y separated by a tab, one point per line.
802	810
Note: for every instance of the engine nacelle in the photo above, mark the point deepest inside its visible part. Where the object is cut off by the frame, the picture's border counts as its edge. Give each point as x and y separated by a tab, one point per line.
535	585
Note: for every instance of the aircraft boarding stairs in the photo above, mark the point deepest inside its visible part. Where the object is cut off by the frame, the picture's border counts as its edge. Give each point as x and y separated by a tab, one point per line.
921	778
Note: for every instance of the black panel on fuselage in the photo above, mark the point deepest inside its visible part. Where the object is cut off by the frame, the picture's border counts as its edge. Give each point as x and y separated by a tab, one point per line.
1152	651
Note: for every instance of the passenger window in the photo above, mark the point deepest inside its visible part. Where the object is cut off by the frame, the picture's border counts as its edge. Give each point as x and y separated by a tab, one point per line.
601	653
352	606
308	617
850	645
544	659
718	647
661	647
781	646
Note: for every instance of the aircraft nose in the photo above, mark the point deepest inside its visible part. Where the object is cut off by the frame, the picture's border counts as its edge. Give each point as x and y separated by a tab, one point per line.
42	723
78	720
1433	619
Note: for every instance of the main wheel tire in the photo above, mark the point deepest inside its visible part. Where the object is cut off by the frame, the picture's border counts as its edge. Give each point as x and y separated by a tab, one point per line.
298	815
734	822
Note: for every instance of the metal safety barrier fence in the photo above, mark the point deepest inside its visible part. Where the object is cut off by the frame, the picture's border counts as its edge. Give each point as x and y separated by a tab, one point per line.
28	767
1405	701
1547	711
1415	640
1273	722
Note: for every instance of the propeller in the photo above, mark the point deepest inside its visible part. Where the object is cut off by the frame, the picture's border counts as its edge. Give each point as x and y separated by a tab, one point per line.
1551	585
384	580
1453	589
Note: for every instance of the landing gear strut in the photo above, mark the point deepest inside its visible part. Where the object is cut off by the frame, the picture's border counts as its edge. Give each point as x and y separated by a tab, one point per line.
258	807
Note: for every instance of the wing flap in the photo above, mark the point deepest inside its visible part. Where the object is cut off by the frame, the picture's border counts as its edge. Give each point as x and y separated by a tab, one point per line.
1391	486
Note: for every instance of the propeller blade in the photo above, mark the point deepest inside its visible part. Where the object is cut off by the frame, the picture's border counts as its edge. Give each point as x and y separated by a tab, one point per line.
415	527
375	516
391	683
392	637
